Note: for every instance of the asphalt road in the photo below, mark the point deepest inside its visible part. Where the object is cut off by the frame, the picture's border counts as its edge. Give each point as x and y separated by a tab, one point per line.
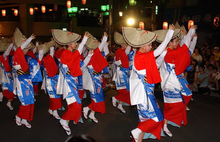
203	122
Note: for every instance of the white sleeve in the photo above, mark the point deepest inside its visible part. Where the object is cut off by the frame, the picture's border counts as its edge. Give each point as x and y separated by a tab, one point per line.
102	44
25	44
41	54
163	45
86	61
160	59
127	50
14	48
189	37
52	51
106	49
8	50
182	41
81	45
35	49
193	45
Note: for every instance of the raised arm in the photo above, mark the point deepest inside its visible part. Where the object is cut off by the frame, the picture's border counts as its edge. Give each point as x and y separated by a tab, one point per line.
127	50
104	40
193	43
27	41
81	45
87	60
167	39
160	59
52	51
190	35
8	50
106	50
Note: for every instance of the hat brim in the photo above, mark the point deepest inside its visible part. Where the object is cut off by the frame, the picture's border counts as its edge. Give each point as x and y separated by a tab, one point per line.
118	38
161	34
64	37
92	43
137	37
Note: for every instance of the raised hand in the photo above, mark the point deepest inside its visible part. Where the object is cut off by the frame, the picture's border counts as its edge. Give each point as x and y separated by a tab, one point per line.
171	27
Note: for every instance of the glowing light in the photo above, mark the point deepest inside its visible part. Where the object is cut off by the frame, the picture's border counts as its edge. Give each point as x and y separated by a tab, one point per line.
16	12
190	23
31	10
3	12
165	25
141	25
68	4
43	9
120	14
130	21
83	1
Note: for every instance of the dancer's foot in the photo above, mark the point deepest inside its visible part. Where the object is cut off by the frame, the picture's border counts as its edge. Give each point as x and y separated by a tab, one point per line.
50	111
121	108
187	108
1	97
24	122
9	105
18	120
166	130
65	126
135	133
92	116
85	112
56	115
114	100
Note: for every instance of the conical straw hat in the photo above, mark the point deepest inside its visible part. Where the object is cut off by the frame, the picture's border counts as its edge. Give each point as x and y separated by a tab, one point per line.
136	37
118	38
19	39
162	34
46	46
64	37
177	26
92	43
4	43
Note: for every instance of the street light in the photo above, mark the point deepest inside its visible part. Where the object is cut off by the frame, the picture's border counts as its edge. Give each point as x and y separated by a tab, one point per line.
120	14
130	21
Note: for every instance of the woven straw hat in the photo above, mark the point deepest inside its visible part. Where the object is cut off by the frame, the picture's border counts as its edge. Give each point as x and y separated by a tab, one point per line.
177	26
162	34
92	43
136	37
19	39
4	43
65	37
118	38
46	46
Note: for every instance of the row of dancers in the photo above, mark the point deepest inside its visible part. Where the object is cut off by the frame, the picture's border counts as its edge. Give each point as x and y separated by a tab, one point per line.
70	70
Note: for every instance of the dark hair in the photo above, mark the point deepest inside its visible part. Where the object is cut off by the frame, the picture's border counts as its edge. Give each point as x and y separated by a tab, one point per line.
195	61
80	138
202	66
215	68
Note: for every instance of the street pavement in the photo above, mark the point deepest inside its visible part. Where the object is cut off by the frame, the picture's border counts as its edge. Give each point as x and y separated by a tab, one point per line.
113	126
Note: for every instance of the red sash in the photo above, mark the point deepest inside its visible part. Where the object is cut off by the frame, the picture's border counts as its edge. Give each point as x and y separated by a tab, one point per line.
147	61
50	65
5	63
72	60
98	61
180	57
19	59
121	55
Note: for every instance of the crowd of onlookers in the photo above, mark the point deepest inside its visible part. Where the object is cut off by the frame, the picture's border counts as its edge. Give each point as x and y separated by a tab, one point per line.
204	74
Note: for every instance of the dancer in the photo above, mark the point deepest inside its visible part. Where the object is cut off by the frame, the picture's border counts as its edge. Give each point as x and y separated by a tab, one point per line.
177	60
26	71
68	76
121	75
51	74
6	77
144	75
93	79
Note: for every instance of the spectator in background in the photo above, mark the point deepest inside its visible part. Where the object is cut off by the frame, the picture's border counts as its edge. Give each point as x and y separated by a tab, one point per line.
212	59
213	76
206	64
202	80
203	54
80	138
217	65
196	55
208	53
216	53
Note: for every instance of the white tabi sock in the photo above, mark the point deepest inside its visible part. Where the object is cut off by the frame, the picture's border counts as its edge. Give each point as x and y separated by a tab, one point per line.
136	133
1	97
